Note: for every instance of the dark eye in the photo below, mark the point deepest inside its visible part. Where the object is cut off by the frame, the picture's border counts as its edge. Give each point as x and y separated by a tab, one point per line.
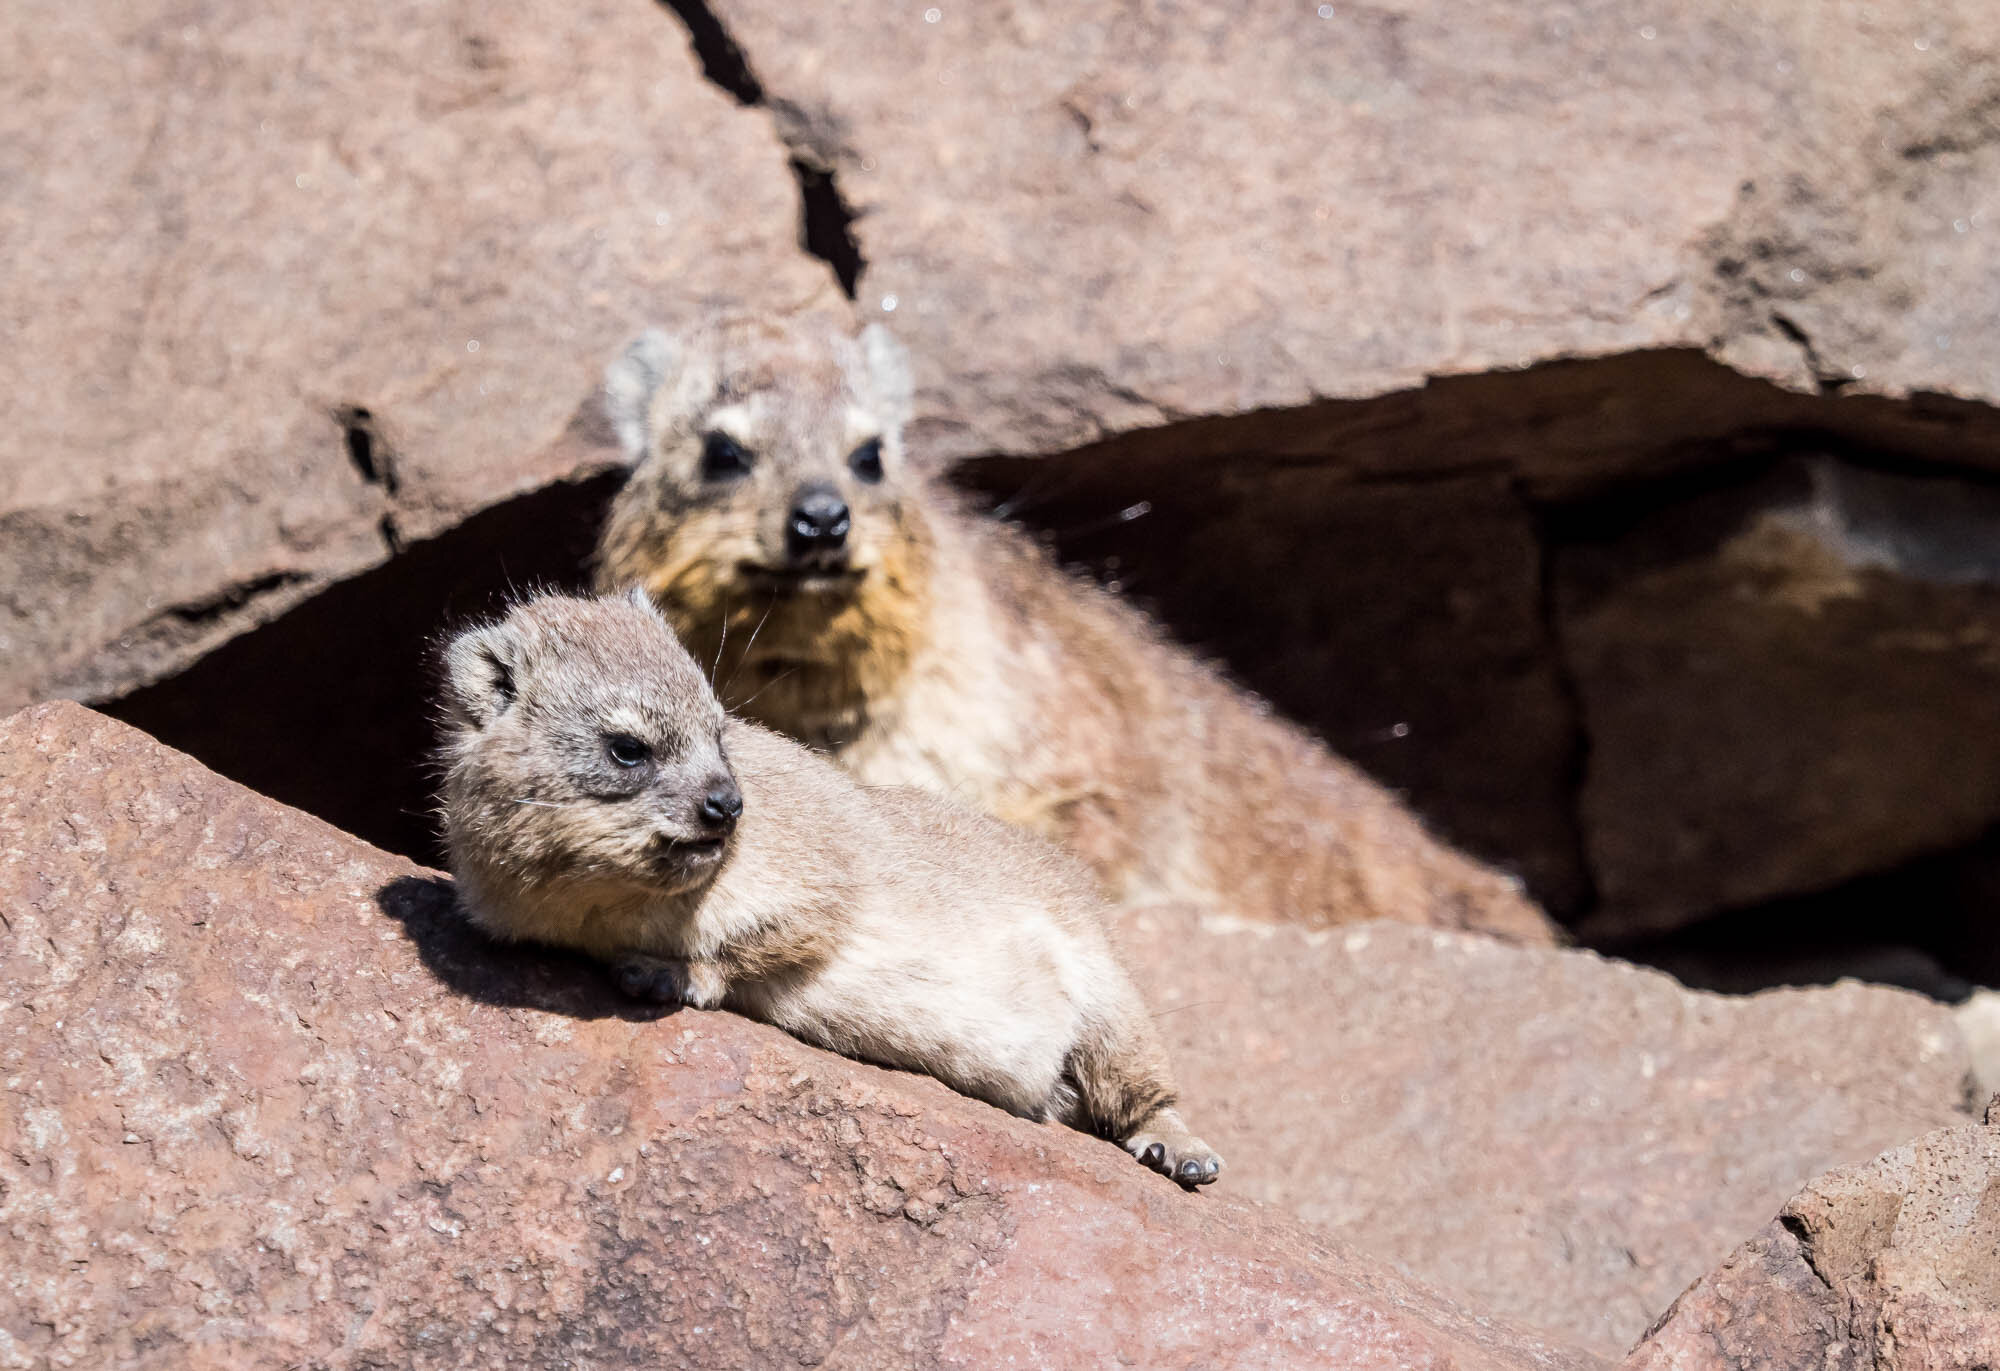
866	461
723	458
626	750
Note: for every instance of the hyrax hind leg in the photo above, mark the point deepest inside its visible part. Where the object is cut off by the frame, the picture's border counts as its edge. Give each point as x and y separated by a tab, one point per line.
1125	1091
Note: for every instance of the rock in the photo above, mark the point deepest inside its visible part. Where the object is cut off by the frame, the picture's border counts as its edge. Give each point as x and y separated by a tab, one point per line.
1388	286
1786	682
1655	706
1558	1138
1891	1266
290	288
1304	278
1096	218
1310	277
252	1119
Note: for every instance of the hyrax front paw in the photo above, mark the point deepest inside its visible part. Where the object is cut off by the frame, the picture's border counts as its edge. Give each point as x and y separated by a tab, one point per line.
1164	1143
660	980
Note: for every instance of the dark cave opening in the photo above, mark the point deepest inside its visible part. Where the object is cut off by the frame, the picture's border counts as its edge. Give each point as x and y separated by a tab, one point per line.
327	708
1929	925
1419	578
1523	600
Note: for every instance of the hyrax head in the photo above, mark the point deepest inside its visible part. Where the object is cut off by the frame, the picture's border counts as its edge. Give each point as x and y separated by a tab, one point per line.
771	512
583	743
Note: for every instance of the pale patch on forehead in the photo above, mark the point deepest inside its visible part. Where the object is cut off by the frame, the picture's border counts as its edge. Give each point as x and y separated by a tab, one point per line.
674	702
861	425
743	420
624	713
789	421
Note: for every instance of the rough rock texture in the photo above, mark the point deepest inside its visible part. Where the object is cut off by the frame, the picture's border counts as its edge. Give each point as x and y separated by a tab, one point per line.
1891	1266
289	287
1558	1138
1376	287
1092	218
1786	682
1342	272
266	1102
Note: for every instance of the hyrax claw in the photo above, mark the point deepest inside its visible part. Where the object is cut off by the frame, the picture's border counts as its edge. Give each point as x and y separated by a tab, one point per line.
1166	1146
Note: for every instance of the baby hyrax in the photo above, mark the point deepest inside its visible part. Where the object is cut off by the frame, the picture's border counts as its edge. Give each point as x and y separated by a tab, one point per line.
849	601
597	797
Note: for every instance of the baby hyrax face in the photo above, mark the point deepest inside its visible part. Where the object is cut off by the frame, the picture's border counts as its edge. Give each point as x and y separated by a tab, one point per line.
584	742
770	492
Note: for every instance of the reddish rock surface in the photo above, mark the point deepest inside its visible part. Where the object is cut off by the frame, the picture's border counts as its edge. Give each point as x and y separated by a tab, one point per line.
1101	216
1282	261
230	227
1552	1136
1891	1266
266	1102
1328	289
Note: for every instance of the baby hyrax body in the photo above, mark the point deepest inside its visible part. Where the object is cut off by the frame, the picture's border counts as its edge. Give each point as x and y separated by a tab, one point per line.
848	601
597	797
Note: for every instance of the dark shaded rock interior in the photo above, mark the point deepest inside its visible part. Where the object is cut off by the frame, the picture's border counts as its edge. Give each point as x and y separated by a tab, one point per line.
1714	667
328	708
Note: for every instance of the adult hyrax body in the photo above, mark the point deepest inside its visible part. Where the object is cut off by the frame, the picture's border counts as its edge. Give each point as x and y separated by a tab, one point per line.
850	602
597	797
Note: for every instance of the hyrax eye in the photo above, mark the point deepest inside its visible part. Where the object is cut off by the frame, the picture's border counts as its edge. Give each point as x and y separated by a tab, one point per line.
866	461
626	750
723	458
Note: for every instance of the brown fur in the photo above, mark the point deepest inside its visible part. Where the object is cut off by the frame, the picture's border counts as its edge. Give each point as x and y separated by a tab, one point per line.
884	923
817	656
964	662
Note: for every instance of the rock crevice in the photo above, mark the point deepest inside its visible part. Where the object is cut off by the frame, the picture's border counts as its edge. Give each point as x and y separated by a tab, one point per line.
826	220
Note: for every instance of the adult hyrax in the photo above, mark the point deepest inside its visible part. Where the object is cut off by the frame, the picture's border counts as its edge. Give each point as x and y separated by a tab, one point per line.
849	601
597	797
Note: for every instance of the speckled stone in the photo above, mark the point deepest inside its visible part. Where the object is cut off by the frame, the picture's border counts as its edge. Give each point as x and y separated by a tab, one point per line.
1891	1266
266	1102
229	225
1550	1135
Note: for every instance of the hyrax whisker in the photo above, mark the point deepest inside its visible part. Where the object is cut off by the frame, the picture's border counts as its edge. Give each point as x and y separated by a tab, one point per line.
744	656
721	643
1116	519
790	671
858	919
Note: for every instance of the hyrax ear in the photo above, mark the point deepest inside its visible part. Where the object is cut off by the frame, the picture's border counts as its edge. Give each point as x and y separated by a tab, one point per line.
631	382
888	373
480	667
636	596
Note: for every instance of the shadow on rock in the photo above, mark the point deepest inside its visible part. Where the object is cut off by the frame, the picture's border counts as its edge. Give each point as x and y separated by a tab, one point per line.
511	975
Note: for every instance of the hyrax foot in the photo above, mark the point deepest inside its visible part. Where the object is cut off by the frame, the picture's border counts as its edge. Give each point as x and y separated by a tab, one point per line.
1164	1143
657	979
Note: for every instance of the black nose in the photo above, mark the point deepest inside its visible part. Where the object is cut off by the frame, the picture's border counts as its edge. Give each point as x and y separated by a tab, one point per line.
722	806
816	527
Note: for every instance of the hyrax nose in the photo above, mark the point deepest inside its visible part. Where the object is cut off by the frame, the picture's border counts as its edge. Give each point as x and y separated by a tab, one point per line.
721	806
816	526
